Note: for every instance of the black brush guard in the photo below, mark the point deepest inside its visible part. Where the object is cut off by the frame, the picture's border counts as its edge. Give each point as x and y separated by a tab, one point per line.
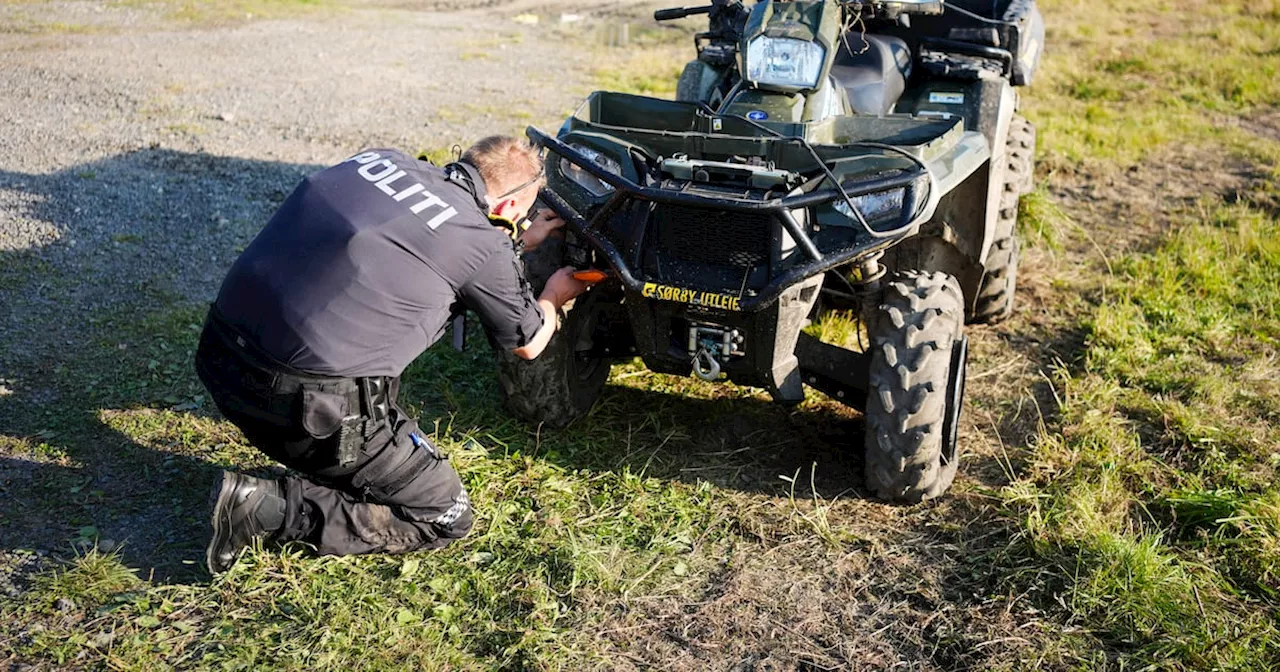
815	261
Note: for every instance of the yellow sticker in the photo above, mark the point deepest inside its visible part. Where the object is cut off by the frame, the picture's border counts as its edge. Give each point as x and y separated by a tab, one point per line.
680	295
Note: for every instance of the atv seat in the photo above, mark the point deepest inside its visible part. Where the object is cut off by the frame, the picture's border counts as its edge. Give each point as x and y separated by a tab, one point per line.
875	78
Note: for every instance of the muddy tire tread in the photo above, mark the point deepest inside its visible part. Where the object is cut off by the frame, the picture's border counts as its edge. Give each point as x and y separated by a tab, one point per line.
994	300
544	391
687	85
1021	148
920	316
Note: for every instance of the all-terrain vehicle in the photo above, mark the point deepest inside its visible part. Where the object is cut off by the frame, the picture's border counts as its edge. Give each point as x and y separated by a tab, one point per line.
821	155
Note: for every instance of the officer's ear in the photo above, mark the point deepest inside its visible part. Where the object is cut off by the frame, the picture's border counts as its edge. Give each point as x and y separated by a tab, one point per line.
504	208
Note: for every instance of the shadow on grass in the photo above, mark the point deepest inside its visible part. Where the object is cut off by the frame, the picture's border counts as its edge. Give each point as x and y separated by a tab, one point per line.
1037	405
97	314
743	443
116	494
667	427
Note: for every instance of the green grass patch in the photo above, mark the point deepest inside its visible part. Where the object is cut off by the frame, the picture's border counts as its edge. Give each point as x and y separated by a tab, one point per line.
553	542
25	25
646	72
1041	222
440	156
839	327
1139	78
1157	501
1151	505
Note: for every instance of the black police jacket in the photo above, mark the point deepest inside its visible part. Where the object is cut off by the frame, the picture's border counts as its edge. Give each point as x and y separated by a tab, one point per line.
363	266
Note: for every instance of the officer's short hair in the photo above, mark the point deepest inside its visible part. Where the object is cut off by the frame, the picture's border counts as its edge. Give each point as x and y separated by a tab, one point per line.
504	162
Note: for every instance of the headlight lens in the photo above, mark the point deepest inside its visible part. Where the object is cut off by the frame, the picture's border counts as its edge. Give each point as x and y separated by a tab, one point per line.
784	61
579	176
874	207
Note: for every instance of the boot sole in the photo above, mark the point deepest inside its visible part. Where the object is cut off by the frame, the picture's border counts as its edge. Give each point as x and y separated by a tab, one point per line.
222	500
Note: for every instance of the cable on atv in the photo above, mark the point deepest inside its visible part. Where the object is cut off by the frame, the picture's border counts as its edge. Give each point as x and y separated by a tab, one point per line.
848	26
934	197
724	102
974	15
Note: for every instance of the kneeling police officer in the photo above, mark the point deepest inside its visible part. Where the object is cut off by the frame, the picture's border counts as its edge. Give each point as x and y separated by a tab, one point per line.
358	272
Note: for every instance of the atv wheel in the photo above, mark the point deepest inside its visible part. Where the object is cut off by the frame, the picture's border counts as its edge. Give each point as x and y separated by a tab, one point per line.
563	383
916	387
994	301
1021	146
689	86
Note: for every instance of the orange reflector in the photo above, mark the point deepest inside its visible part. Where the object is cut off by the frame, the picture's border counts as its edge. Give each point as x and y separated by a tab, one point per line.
590	276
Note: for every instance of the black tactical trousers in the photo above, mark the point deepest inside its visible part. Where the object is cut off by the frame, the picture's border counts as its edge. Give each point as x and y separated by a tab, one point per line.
368	485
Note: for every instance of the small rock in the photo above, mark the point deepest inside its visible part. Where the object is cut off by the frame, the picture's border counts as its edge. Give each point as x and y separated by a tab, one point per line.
226	116
64	605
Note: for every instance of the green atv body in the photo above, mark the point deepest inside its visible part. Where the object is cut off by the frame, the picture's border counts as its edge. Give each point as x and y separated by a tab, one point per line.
804	168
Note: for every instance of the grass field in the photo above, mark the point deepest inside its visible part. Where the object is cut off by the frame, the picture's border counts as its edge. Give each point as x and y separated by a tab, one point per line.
1119	509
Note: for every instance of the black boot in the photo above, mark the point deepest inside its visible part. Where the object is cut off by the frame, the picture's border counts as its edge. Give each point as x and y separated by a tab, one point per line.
244	509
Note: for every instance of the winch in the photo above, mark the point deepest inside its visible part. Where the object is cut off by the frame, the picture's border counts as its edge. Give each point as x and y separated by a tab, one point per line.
710	346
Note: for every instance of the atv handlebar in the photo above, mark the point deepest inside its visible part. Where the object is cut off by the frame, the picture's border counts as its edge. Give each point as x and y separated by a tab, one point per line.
681	12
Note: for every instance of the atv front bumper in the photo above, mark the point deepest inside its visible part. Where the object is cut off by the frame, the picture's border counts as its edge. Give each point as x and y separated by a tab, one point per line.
811	259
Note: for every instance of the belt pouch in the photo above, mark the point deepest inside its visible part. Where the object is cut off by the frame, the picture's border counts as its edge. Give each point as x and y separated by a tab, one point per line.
326	413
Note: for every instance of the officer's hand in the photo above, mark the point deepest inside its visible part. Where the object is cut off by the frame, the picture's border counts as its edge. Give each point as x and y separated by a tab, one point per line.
562	287
541	224
547	218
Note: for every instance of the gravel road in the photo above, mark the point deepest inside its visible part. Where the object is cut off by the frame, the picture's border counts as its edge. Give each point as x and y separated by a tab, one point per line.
137	150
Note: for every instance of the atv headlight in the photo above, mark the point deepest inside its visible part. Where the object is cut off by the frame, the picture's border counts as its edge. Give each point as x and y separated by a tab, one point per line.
874	207
784	61
579	175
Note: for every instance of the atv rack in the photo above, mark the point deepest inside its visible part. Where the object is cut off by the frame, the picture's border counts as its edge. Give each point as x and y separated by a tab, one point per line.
626	191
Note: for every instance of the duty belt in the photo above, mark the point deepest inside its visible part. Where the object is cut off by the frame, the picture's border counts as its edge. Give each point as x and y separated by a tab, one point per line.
373	395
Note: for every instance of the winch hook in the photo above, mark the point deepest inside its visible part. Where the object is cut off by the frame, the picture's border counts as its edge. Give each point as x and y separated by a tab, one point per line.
706	366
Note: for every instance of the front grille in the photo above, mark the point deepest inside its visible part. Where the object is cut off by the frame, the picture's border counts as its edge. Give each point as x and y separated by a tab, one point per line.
715	237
